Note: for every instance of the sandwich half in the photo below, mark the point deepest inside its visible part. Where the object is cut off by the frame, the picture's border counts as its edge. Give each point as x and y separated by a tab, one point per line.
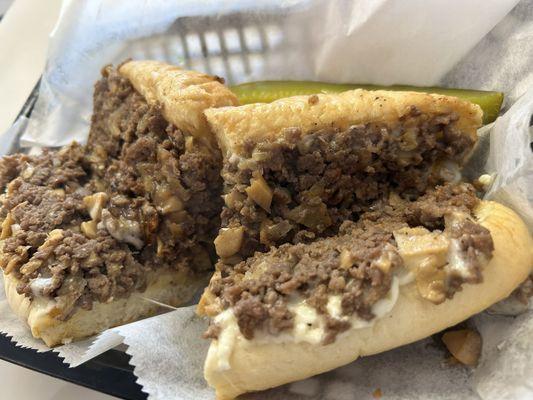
96	236
347	231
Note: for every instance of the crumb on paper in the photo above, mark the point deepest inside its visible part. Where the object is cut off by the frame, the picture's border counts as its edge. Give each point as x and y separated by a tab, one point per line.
464	345
377	393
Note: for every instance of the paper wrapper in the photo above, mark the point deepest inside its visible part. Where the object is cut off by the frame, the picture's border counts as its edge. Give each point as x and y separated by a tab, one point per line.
452	43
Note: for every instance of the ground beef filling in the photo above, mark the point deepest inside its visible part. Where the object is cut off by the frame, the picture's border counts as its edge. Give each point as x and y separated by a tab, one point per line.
358	264
87	224
306	186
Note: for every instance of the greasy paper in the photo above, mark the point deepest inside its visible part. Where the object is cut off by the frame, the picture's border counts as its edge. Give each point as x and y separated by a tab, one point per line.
448	42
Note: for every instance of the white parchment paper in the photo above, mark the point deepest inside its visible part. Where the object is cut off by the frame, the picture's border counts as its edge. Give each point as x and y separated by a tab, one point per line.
472	44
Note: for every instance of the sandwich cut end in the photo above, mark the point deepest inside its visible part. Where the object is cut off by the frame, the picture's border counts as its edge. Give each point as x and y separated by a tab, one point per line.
344	218
164	290
296	169
86	230
268	361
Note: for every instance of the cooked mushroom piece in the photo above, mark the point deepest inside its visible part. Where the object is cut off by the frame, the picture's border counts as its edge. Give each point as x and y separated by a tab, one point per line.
260	192
229	241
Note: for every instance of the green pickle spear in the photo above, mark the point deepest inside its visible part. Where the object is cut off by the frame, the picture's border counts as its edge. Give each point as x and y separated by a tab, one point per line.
267	91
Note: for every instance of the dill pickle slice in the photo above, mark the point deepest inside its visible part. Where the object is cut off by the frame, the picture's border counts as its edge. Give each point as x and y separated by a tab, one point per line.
268	91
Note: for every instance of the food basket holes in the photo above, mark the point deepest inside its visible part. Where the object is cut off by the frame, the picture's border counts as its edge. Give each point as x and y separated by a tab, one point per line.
194	45
273	35
231	37
257	62
252	39
213	43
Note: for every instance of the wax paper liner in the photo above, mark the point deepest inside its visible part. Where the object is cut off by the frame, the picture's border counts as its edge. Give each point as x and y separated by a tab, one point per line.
386	41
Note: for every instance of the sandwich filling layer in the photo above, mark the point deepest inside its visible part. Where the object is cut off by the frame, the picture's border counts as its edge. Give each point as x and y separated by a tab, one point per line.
304	186
88	223
315	291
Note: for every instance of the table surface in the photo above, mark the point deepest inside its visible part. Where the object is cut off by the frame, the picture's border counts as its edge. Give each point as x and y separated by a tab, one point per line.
23	384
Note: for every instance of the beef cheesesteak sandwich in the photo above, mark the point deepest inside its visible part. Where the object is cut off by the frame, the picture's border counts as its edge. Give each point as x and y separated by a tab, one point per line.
90	232
347	231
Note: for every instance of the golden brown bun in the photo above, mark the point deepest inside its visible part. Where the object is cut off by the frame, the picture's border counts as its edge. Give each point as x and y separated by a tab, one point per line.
183	95
261	366
168	287
265	122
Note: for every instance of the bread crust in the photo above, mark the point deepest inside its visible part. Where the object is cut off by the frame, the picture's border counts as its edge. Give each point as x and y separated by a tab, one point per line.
260	366
173	288
233	126
183	95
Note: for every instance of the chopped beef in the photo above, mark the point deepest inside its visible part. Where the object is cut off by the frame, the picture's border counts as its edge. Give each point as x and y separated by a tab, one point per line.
88	223
305	186
358	264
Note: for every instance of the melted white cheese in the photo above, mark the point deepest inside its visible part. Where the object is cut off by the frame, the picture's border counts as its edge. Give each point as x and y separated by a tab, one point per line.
226	339
405	276
37	285
381	308
309	326
456	260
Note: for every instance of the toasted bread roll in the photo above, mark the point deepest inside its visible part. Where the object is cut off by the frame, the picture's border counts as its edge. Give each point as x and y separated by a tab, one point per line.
261	364
183	95
255	123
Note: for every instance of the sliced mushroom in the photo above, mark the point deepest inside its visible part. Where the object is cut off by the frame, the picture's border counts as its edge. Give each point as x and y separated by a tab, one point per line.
172	204
167	200
313	216
6	227
386	259
234	199
60	193
28	171
430	281
94	204
189	143
346	259
113	124
88	228
425	253
270	232
229	241
408	141
260	192
416	244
